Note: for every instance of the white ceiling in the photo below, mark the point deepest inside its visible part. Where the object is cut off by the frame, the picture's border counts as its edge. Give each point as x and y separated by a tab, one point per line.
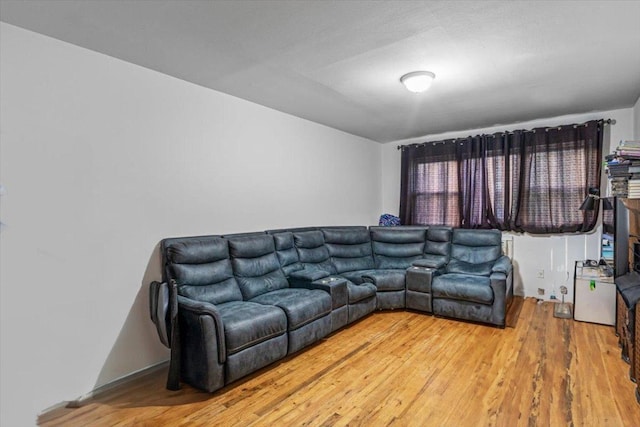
339	62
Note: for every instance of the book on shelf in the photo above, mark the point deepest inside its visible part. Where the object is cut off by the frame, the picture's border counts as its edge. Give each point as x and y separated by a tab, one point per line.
630	144
633	189
629	154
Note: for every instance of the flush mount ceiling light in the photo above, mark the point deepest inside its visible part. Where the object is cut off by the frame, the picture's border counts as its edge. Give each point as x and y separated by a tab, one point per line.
418	81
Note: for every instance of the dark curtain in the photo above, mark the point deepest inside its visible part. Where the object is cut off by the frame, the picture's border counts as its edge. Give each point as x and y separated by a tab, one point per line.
559	165
526	181
430	191
475	199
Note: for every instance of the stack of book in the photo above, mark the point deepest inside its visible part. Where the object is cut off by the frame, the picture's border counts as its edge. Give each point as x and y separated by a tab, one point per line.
628	149
623	167
634	189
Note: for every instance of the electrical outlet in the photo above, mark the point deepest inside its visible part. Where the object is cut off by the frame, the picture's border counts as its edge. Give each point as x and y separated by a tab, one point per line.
540	291
540	274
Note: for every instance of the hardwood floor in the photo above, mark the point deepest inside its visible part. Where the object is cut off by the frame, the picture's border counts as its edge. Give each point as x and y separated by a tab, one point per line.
405	369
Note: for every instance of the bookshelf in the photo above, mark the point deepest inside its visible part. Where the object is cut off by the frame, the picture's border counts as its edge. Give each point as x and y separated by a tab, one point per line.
615	233
633	206
623	169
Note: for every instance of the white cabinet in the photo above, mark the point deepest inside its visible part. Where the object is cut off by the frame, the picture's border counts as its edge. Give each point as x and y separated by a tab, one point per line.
595	296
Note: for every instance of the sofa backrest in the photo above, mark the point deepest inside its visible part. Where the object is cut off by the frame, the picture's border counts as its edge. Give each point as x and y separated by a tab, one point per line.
255	265
312	251
292	230
349	248
438	247
286	251
201	268
474	251
397	247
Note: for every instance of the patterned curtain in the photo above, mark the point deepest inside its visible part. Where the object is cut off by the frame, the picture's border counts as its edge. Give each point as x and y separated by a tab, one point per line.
526	181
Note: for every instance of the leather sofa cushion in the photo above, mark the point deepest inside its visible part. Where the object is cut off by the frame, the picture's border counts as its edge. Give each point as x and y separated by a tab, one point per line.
386	280
258	276
256	266
389	255
479	238
430	261
252	246
287	253
439	234
318	256
247	324
346	236
348	264
217	293
438	246
360	292
312	250
202	269
195	250
502	265
301	306
441	249
350	249
402	234
461	267
397	247
355	276
476	254
463	287
476	246
308	239
309	274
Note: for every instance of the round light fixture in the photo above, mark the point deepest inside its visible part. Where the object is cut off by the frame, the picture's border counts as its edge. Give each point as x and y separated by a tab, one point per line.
418	81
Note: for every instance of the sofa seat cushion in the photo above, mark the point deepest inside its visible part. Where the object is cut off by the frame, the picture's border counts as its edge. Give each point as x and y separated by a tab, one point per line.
301	306
247	324
356	276
386	279
360	292
463	287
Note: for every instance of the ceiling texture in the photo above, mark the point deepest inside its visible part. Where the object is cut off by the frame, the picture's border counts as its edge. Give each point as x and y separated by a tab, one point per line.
339	63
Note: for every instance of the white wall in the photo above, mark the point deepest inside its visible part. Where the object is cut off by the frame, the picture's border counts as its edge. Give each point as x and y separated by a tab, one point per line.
101	159
553	254
636	120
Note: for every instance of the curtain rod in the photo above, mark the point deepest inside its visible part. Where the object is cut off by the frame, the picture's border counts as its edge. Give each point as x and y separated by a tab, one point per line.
604	122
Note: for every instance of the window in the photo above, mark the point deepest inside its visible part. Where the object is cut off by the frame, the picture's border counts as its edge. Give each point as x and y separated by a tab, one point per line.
527	181
436	199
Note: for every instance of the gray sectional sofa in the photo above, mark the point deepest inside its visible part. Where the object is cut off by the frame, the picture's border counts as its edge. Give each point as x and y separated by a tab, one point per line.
230	305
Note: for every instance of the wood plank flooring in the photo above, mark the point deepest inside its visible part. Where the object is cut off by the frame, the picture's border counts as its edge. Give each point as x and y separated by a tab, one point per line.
405	369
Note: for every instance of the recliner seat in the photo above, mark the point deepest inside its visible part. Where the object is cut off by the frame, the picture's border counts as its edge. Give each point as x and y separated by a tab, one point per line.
240	336
477	282
261	280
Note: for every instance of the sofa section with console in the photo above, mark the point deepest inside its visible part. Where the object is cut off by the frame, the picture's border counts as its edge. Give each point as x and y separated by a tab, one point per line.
230	305
316	260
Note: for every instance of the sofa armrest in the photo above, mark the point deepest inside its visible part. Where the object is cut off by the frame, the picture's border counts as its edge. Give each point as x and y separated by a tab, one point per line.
501	284
194	314
428	263
160	310
502	265
336	287
419	279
